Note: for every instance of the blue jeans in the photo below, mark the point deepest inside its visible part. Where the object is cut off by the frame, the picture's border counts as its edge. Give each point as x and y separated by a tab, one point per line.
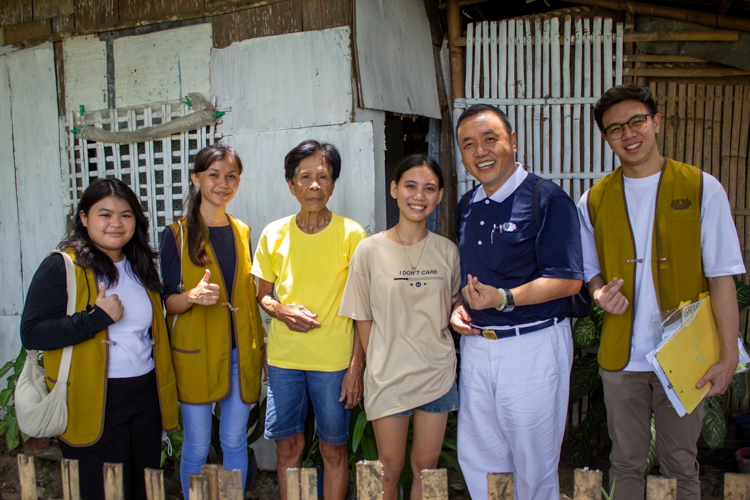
196	423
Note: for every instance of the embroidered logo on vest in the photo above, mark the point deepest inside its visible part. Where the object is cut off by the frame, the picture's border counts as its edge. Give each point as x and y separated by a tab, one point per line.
682	204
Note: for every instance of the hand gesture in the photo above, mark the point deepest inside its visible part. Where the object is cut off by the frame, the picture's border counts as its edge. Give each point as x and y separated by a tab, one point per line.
110	305
480	296
610	299
206	293
460	322
297	318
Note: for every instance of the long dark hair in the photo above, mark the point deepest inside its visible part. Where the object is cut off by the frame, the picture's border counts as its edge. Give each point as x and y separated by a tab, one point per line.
139	253
412	161
197	230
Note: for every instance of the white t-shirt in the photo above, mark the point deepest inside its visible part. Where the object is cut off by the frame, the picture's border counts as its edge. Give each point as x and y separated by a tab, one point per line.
720	250
130	356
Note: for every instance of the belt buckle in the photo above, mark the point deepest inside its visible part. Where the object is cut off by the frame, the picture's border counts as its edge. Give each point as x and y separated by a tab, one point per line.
489	334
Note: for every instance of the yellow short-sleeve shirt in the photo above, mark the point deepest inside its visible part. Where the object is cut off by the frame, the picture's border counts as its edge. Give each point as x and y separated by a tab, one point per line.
309	270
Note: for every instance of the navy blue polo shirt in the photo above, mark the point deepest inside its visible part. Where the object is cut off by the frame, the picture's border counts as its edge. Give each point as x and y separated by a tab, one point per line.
520	252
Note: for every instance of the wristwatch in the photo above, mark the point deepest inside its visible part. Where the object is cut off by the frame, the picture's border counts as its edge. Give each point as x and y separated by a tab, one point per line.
508	303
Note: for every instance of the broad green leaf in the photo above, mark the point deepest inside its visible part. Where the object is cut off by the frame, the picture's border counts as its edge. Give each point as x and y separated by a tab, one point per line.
739	386
452	461
597	316
743	294
584	377
20	360
260	425
585	334
450	444
359	429
12	433
714	428
3	426
6	367
163	458
5	396
252	419
369	450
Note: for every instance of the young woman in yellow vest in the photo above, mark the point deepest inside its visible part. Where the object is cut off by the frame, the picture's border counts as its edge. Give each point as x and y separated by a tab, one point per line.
216	331
121	386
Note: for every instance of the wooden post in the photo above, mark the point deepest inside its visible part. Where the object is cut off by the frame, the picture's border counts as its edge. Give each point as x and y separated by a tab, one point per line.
113	487
198	487
435	484
736	486
70	481
230	485
154	484
500	486
587	484
369	480
661	488
453	12
27	477
211	471
292	484
308	484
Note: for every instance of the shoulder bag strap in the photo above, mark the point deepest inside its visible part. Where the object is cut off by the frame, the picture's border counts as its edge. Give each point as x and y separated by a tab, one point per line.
72	287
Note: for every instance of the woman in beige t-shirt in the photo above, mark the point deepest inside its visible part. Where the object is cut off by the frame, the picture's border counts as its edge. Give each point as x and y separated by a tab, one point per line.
401	288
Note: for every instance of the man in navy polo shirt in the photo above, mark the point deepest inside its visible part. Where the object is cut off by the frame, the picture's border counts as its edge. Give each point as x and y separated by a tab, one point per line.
517	348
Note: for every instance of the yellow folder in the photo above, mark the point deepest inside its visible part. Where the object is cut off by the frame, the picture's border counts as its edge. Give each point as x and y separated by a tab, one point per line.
686	356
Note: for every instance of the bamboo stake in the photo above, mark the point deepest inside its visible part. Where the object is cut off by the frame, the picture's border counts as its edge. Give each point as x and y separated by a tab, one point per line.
708	128
587	484
308	484
690	125
154	484
211	471
113	485
70	479
726	138
230	485
500	486
369	480
669	122
735	148
736	486
435	484
716	145
681	121
198	487
700	108
27	477
661	488
456	53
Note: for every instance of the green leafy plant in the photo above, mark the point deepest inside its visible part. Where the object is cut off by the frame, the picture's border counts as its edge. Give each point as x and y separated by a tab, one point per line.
611	494
9	424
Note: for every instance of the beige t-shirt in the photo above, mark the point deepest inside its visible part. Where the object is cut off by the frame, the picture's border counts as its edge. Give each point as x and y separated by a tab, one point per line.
411	359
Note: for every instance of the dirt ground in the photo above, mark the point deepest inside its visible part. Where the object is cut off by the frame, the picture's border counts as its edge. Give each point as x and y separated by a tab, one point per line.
713	465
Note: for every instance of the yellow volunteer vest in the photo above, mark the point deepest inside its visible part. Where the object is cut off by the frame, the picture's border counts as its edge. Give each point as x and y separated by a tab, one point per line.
676	264
87	382
201	345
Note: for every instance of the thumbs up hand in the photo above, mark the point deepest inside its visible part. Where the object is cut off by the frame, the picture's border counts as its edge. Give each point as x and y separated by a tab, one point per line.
110	305
205	293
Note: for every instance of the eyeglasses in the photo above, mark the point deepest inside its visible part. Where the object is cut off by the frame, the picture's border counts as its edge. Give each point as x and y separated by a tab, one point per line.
636	124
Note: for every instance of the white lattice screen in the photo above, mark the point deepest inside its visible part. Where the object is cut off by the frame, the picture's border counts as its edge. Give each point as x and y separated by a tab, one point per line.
156	170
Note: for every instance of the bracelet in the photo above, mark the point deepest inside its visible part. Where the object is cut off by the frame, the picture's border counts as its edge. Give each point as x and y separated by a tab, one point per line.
502	306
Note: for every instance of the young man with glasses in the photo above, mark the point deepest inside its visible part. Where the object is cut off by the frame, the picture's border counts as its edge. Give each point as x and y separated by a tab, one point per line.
654	232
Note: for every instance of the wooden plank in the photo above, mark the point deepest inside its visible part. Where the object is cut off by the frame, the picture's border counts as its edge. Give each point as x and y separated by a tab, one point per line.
154	484
661	105
734	146
469	79
70	479
566	139
597	82
93	12
308	484
198	487
230	485
577	92
538	94
512	72
529	111
736	486
670	120
689	72
17	33
726	137
211	471
477	59
113	485
11	295
493	60
690	125
500	486
700	108
555	91
39	184
369	480
486	59
675	36
435	484
618	54
607	54
661	488
325	14
267	18
587	484
27	476
259	78
502	64
47	9
708	128
663	58
587	125
717	134
742	178
681	122
545	167
522	142
16	12
135	9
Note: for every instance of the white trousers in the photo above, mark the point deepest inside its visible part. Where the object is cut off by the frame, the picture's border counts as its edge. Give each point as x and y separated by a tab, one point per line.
514	403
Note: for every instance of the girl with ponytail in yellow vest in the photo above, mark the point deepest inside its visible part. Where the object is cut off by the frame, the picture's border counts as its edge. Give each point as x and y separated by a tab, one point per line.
216	331
121	387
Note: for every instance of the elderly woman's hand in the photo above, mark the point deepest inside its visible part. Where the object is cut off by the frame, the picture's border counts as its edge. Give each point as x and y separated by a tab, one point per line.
296	318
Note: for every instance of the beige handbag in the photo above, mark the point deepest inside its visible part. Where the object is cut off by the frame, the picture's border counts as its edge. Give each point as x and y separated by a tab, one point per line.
41	413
